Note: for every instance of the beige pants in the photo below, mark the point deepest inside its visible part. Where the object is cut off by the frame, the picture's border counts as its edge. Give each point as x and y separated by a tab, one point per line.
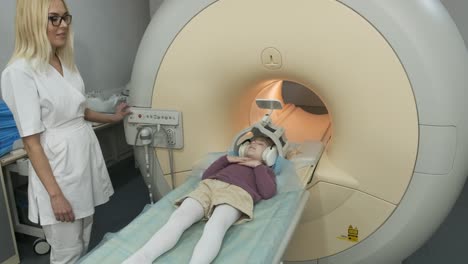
211	193
68	241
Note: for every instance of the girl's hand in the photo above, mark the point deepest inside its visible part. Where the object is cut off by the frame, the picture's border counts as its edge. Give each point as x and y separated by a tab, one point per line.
235	159
251	163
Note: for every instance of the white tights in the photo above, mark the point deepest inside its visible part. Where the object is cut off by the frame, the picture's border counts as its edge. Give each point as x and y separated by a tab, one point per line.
189	212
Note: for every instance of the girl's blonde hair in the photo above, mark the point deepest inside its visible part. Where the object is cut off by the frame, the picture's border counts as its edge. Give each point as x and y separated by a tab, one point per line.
31	41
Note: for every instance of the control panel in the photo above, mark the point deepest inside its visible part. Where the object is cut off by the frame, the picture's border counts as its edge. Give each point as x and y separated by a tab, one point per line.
165	127
153	116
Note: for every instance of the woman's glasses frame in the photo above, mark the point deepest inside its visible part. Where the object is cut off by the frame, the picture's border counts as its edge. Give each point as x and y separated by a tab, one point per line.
57	20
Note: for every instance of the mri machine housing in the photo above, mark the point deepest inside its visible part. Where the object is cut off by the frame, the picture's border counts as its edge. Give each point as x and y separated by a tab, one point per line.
392	75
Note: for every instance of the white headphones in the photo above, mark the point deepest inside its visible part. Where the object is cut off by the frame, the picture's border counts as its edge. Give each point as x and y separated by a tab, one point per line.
269	155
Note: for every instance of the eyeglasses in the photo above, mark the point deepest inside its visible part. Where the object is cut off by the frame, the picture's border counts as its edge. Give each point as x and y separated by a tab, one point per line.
57	20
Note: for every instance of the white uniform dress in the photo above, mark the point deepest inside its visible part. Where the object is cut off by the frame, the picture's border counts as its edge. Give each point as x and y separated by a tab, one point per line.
53	105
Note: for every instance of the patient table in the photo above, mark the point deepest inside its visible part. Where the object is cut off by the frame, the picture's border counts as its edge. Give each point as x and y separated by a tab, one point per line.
262	240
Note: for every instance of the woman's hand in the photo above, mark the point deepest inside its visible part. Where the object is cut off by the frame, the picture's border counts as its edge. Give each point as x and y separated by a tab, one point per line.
62	209
121	111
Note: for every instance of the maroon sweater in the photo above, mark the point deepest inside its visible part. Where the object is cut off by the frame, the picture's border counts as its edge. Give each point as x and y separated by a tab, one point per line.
259	182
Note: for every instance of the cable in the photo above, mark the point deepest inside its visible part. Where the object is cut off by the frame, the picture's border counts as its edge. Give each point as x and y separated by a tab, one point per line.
146	139
149	173
171	158
171	166
137	134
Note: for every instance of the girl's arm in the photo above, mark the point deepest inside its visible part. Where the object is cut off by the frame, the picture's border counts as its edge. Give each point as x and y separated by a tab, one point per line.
266	181
216	166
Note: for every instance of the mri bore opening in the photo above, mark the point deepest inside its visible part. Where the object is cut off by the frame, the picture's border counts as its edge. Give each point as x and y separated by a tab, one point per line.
304	115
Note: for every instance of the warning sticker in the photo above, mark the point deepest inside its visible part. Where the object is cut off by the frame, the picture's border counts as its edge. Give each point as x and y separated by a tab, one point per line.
353	234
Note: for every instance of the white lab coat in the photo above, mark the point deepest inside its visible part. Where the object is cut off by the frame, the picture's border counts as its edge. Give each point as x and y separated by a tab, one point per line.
53	105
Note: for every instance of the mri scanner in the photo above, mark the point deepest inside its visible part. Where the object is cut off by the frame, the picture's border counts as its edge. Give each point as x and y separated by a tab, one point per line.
392	76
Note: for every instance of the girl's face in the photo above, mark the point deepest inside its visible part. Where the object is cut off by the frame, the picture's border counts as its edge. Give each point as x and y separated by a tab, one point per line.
255	149
57	27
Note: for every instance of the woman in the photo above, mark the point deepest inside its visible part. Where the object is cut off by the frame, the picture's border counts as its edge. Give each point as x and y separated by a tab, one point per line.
45	93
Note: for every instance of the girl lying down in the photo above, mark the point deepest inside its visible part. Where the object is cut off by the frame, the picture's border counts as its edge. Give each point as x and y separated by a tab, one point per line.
229	189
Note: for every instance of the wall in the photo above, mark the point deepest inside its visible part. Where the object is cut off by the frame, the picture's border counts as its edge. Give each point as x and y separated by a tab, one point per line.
154	5
458	10
107	35
7	35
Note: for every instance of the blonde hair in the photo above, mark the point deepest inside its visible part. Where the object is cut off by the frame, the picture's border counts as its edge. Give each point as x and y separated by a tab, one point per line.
31	41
